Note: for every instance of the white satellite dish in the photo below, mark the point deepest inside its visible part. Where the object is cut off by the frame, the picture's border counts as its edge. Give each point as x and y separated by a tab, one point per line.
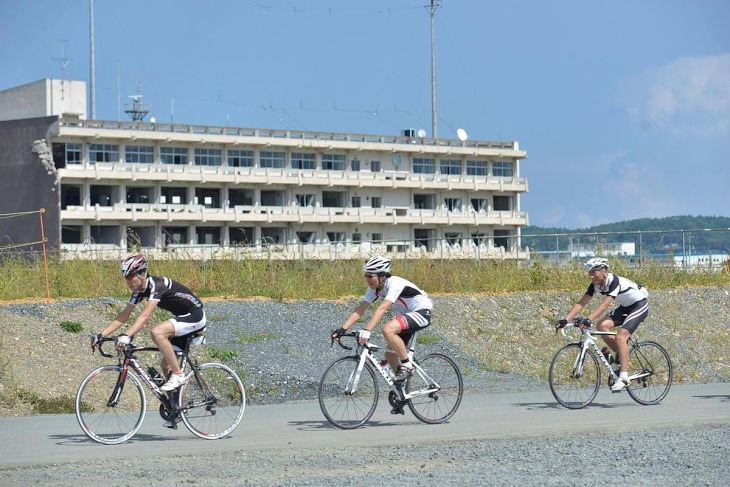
421	133
461	134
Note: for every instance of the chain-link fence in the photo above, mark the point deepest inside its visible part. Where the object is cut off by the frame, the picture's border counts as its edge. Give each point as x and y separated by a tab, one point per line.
688	249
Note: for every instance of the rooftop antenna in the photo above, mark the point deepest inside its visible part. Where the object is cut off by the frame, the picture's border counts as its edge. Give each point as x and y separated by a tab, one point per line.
138	110
64	60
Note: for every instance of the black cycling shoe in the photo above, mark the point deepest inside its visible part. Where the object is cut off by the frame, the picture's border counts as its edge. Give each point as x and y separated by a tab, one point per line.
402	374
397	410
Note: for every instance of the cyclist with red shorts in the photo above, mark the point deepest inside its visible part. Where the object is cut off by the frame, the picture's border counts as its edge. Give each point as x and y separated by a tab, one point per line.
410	303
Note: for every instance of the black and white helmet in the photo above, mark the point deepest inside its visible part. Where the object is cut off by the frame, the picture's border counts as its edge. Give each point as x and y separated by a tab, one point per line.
377	265
131	266
595	263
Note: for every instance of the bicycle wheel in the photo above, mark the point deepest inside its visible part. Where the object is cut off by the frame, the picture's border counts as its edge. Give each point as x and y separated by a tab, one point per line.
347	403
574	388
440	373
105	423
212	401
651	362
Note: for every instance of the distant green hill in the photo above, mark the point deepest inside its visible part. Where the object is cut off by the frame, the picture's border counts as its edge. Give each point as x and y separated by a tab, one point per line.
656	234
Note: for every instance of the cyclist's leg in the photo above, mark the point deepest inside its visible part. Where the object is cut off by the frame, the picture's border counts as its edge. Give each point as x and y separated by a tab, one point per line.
396	346
161	335
179	326
631	316
606	324
397	332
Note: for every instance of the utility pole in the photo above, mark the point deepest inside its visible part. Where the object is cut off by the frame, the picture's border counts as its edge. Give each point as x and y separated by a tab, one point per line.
434	5
92	74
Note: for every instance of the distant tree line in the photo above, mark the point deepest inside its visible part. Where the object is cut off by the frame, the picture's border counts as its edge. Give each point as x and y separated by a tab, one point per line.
662	235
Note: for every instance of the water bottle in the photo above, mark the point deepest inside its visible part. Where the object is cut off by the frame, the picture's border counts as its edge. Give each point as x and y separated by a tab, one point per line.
607	353
387	368
156	377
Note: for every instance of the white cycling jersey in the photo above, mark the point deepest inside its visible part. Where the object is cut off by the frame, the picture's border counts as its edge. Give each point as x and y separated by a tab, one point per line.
405	296
623	290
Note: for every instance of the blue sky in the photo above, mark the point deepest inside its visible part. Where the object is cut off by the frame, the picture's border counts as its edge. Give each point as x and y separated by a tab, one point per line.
623	106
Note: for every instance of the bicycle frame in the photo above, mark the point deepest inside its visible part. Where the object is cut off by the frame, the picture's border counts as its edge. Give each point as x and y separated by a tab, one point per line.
588	340
130	360
365	354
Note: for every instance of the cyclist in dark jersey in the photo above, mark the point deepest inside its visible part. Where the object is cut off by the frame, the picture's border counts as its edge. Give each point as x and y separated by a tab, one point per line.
633	309
166	294
411	304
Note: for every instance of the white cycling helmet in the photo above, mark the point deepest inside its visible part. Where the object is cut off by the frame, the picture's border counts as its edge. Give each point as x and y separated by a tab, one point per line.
377	265
595	263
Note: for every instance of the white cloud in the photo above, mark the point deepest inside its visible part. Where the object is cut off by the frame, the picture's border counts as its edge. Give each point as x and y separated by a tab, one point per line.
689	96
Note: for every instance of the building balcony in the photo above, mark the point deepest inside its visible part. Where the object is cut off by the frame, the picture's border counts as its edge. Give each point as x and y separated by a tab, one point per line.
255	214
167	173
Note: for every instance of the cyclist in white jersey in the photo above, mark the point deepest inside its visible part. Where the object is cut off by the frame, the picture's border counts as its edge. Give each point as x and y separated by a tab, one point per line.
633	309
411	304
164	293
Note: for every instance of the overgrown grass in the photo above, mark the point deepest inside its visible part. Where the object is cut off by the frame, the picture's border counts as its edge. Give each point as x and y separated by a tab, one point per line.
222	355
53	405
306	279
71	326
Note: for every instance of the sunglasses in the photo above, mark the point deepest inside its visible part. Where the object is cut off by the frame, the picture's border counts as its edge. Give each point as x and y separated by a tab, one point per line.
368	276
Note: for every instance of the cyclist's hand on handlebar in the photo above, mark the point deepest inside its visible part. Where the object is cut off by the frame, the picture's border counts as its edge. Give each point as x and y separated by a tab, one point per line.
585	323
336	334
561	324
95	341
123	340
363	336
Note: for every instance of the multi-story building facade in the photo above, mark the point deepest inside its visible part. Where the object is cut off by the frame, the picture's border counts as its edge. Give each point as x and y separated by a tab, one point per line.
220	189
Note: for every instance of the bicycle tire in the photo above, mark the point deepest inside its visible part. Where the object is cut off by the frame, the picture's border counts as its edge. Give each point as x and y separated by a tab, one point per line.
436	407
106	424
344	409
212	401
649	357
571	390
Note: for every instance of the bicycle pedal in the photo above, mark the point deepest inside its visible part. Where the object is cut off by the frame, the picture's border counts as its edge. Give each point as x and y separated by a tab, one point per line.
397	411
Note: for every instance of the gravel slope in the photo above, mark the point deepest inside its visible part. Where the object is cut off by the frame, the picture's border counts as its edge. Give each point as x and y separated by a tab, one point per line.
281	348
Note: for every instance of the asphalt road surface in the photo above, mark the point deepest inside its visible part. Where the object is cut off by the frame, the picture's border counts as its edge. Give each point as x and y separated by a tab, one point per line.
53	439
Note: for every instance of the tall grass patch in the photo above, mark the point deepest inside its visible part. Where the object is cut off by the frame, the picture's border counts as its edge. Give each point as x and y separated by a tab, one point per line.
228	277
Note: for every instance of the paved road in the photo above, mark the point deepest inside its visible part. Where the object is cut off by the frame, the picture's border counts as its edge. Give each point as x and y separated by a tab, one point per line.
53	439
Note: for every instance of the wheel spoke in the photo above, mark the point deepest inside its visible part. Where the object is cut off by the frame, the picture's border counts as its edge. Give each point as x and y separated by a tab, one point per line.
213	401
651	363
341	406
574	386
440	373
100	421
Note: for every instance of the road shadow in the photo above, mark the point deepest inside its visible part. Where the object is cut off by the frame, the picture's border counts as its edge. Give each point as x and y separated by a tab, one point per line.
83	440
542	406
720	397
317	425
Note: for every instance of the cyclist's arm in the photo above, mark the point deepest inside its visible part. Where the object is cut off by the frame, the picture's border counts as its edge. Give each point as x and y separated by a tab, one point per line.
601	308
120	319
577	307
356	314
378	314
145	315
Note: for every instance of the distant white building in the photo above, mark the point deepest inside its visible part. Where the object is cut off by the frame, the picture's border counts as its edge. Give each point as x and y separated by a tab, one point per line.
701	261
617	249
112	186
